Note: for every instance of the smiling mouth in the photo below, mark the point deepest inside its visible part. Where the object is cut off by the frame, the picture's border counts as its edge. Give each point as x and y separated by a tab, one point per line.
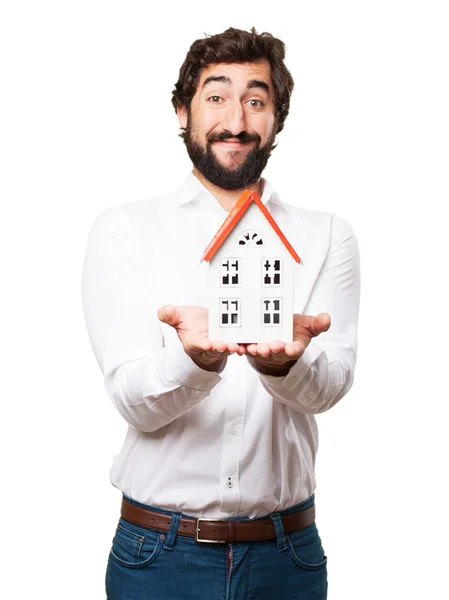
232	143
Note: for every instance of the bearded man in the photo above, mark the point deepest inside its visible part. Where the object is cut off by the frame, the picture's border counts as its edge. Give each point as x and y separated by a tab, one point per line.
217	468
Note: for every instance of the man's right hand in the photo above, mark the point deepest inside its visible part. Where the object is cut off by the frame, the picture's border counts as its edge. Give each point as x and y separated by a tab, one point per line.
191	324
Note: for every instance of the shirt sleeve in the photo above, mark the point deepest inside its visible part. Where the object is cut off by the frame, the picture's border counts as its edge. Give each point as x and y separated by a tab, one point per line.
325	372
147	374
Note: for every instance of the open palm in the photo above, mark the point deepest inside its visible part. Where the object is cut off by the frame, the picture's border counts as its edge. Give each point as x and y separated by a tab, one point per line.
191	324
273	356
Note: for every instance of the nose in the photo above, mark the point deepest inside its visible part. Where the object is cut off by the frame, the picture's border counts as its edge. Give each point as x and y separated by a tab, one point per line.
234	119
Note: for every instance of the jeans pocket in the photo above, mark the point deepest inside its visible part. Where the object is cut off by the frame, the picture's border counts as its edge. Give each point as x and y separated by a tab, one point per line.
305	548
135	547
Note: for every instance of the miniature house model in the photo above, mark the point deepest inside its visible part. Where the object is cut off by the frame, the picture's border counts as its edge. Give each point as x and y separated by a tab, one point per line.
250	277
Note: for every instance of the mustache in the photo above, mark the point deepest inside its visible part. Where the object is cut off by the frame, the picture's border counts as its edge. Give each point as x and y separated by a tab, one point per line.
242	137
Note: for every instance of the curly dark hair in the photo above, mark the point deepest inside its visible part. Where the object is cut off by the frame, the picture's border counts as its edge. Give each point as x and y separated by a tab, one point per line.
236	46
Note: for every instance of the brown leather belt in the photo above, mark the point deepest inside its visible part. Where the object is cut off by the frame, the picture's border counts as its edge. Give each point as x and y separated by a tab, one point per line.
215	530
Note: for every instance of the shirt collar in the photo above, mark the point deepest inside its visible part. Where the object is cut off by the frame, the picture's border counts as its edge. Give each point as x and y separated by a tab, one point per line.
192	189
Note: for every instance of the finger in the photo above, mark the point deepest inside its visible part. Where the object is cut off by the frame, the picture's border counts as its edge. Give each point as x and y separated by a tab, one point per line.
232	347
168	314
197	343
240	349
276	346
293	349
251	349
263	349
322	322
219	346
314	325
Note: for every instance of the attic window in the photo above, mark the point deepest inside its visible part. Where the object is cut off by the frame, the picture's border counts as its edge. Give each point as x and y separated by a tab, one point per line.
250	237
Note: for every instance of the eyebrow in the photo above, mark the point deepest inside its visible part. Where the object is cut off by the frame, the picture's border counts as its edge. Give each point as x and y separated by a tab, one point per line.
254	83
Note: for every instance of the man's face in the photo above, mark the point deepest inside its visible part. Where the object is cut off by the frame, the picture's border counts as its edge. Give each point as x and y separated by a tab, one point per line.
230	127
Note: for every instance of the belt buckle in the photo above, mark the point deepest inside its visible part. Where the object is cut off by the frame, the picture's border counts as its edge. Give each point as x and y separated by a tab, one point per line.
197	530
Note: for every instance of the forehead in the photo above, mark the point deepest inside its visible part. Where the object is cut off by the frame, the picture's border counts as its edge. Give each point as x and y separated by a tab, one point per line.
238	73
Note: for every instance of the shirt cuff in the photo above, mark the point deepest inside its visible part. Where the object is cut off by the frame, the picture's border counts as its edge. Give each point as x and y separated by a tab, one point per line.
181	369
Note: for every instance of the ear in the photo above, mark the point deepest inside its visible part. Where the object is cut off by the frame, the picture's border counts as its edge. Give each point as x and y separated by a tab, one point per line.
181	111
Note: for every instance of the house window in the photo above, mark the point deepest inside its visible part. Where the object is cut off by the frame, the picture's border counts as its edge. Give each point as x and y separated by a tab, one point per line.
230	272
272	271
229	312
250	237
271	311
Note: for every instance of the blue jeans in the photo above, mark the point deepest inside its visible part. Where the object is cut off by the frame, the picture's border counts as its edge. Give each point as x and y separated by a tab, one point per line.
149	565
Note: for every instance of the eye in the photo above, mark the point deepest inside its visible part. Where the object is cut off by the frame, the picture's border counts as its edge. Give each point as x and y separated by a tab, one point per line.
215	99
256	103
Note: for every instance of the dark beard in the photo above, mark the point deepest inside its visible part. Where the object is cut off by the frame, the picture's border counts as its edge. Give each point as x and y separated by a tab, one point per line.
244	175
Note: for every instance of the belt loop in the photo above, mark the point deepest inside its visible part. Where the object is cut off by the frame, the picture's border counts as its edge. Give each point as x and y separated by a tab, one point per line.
279	527
172	532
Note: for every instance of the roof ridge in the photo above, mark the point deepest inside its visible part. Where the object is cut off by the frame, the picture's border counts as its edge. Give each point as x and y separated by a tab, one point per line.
234	217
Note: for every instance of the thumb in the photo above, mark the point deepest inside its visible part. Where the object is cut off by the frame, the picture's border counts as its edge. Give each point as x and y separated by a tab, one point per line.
321	323
168	314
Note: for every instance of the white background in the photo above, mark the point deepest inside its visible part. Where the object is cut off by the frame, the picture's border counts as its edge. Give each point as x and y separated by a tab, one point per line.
87	122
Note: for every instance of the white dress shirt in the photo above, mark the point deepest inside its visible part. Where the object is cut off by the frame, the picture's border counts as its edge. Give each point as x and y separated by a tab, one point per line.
237	443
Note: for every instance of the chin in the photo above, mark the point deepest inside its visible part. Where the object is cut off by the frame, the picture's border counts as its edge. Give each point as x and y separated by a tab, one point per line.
231	158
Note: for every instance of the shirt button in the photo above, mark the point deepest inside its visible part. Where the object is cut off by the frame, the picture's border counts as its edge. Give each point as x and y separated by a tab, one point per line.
234	430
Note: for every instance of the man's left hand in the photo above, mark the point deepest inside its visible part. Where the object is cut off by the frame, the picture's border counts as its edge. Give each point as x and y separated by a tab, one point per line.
276	358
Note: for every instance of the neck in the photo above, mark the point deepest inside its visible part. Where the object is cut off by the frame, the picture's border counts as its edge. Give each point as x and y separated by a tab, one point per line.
226	198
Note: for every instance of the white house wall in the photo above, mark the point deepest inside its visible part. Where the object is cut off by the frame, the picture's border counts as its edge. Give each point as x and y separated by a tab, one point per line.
250	291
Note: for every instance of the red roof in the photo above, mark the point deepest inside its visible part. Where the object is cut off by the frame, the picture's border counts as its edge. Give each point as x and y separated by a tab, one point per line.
234	217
